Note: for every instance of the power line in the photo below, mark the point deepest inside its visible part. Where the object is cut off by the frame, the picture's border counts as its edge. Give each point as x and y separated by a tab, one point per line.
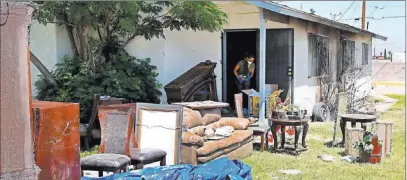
390	6
375	18
346	10
375	8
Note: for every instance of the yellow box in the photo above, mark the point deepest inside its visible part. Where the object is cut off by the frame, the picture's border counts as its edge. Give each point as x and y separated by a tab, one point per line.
254	99
255	105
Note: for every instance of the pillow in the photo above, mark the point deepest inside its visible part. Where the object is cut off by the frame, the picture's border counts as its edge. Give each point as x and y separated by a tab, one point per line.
192	118
224	131
198	130
210	118
236	123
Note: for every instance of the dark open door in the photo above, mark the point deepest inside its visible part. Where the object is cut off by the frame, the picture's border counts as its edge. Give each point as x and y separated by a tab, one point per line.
279	58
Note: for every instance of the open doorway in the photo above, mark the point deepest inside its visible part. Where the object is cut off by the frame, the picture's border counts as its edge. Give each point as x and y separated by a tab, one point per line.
235	44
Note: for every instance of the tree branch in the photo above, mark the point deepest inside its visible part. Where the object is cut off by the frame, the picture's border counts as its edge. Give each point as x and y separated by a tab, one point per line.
44	71
156	17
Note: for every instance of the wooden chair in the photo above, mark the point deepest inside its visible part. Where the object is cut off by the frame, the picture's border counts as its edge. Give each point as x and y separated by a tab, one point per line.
87	130
115	156
139	156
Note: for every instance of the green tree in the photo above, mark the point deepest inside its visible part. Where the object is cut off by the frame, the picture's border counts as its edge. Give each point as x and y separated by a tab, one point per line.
101	28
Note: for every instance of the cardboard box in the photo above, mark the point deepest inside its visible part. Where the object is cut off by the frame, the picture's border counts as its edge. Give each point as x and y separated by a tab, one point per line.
254	98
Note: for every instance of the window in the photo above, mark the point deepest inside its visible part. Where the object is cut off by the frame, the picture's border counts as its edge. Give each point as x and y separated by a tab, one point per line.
348	57
365	54
318	55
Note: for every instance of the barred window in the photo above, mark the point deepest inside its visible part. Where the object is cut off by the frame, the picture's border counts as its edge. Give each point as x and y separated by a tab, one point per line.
348	56
365	54
318	55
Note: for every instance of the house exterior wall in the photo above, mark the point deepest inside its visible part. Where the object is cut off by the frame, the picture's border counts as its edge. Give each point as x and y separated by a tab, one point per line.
181	50
49	43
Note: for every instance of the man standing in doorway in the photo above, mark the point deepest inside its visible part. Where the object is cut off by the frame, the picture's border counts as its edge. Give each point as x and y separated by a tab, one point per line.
244	71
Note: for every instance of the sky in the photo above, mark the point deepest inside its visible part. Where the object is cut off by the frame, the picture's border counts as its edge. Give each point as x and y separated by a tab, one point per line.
393	28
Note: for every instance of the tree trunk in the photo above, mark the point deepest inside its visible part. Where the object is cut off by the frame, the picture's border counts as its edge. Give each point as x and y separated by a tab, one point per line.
82	33
71	36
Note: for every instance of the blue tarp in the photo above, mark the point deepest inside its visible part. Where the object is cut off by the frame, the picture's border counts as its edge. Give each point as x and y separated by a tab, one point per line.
219	169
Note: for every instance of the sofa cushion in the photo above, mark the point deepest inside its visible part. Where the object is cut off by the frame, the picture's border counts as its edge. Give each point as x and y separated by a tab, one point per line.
192	139
223	152
192	118
212	146
210	118
236	123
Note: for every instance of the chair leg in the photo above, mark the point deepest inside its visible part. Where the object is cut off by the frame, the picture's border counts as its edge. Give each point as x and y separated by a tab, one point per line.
86	139
262	143
100	173
118	171
125	168
163	161
139	166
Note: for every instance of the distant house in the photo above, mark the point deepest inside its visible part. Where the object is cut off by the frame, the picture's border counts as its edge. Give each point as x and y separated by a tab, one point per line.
304	42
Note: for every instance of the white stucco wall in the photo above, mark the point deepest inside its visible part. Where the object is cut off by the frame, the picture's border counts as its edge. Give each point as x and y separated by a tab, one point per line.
184	49
49	43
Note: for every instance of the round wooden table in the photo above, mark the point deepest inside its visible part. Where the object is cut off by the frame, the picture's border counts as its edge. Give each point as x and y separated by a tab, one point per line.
355	118
298	125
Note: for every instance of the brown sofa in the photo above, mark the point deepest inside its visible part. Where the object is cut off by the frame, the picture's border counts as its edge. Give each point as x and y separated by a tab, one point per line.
195	151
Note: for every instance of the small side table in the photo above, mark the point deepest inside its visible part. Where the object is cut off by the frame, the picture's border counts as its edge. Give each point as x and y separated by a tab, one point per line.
298	124
355	118
260	131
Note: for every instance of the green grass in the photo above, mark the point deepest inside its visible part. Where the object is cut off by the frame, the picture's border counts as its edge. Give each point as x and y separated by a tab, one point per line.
379	100
93	150
400	104
265	165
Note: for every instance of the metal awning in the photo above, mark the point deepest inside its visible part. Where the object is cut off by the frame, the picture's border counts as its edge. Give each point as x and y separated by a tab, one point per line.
285	10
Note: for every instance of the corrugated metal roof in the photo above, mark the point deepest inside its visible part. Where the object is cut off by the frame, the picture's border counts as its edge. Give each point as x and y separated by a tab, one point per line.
288	11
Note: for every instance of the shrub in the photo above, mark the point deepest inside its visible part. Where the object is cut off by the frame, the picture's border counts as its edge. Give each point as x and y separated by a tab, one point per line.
123	76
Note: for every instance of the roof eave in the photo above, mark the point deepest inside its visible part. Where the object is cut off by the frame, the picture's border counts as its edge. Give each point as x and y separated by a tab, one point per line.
308	17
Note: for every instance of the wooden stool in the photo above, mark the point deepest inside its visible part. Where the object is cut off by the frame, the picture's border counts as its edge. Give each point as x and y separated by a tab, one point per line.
260	131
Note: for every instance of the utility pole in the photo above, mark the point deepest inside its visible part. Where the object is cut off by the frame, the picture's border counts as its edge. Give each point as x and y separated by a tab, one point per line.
335	15
363	14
